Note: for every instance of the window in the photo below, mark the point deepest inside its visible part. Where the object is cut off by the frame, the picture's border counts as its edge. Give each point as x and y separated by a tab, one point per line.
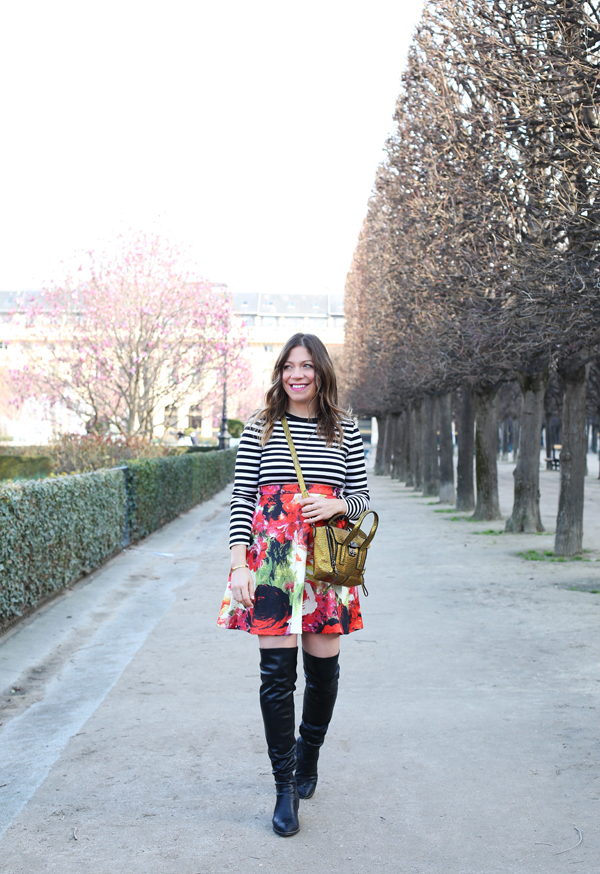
269	322
195	417
269	348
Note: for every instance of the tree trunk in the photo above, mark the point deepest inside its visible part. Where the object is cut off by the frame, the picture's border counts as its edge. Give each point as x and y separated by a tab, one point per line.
418	446
487	507
388	446
516	438
525	516
569	522
548	435
398	463
405	433
446	450
505	436
394	437
431	469
379	455
410	447
465	490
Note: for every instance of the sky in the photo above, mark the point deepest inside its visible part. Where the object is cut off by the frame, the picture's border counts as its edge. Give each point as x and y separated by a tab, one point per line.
249	133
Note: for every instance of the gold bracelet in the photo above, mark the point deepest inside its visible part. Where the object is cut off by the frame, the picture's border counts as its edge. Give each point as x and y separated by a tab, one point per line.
237	567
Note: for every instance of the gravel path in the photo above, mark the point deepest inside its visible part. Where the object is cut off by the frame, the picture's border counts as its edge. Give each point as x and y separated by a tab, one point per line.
465	740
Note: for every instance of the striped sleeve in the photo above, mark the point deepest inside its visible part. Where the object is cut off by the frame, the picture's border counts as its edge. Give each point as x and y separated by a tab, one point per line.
356	490
245	486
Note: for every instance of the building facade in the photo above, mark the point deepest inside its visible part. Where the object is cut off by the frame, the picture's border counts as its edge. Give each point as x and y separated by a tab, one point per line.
269	319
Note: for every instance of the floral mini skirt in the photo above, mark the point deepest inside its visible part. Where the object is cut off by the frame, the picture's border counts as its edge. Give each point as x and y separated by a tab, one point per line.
280	559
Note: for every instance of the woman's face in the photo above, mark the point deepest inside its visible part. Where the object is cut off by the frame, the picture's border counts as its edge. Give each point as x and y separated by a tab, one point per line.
298	378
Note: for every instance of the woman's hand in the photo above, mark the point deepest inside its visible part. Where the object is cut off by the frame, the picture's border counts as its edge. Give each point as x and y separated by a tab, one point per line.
316	508
242	586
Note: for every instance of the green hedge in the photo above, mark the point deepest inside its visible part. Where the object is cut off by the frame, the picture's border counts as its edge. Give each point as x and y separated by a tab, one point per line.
162	488
24	467
55	530
202	448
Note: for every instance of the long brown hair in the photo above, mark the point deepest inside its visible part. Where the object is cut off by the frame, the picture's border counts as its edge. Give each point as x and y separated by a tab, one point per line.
327	413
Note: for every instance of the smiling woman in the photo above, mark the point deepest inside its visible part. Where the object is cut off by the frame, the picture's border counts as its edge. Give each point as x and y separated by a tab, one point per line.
298	378
271	591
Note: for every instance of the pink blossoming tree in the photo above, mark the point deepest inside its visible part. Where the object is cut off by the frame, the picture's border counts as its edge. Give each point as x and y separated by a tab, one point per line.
132	334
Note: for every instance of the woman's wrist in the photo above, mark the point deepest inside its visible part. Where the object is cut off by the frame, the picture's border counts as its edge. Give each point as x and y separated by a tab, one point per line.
238	556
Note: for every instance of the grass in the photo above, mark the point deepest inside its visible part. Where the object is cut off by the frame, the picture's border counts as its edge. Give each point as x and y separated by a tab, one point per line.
588	591
534	555
489	531
548	555
451	510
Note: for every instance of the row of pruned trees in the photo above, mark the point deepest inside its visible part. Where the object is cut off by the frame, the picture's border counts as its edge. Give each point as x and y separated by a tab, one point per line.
478	261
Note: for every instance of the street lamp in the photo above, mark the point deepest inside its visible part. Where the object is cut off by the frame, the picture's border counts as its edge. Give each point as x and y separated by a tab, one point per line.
224	436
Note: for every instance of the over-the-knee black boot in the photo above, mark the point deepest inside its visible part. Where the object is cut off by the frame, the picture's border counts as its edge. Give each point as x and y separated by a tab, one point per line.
278	674
320	692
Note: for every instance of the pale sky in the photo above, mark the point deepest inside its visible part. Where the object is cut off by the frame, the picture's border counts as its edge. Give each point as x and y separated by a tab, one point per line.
247	131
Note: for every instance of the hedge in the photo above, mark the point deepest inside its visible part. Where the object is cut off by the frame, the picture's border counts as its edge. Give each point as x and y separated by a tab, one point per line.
53	531
161	488
25	467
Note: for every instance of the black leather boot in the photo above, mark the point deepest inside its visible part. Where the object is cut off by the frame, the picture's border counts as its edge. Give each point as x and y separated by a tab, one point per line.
320	692
278	674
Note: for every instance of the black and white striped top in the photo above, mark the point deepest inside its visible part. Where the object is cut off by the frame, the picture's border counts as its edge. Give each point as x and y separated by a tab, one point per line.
272	464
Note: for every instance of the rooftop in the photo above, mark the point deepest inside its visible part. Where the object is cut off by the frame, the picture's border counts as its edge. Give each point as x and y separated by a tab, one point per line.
259	304
254	303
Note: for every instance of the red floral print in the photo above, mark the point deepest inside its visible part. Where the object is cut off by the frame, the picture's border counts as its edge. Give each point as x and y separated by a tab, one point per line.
281	559
256	553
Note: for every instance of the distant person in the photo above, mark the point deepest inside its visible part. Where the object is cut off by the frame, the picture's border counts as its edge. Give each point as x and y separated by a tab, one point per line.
270	592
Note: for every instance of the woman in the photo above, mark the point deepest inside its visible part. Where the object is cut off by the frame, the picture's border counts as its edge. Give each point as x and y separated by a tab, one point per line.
270	592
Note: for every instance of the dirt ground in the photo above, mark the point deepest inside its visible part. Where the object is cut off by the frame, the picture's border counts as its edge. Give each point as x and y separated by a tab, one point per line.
465	739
